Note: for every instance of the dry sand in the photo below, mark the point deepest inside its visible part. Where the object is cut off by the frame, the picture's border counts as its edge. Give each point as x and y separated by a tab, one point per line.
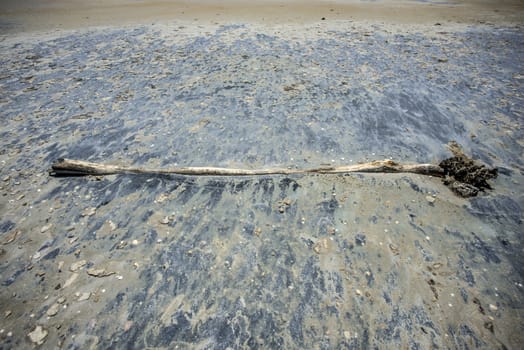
31	15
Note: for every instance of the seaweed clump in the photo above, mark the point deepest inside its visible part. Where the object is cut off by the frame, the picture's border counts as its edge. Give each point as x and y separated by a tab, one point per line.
465	176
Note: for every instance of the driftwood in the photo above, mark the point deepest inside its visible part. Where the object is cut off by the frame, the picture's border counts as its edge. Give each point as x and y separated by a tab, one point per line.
69	167
463	175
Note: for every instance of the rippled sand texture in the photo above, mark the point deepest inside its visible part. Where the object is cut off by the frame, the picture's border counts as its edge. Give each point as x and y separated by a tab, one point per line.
327	261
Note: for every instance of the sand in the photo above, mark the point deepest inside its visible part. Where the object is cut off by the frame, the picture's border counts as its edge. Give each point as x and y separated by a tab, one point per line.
30	15
323	261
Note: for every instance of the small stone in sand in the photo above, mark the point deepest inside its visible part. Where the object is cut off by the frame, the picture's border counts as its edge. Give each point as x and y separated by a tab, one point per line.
77	265
11	236
99	272
394	249
89	211
38	335
53	309
83	296
430	199
112	225
70	280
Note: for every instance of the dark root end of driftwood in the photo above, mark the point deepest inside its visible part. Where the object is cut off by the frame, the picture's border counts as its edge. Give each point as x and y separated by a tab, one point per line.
465	176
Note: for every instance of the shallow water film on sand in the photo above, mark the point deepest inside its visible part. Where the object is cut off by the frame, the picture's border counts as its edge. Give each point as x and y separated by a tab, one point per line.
294	262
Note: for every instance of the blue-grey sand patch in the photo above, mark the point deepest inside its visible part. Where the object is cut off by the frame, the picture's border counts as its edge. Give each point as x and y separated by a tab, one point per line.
294	262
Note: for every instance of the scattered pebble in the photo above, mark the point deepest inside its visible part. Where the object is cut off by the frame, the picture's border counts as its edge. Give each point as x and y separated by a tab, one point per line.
70	280
134	242
283	205
394	249
99	272
320	245
430	199
53	310
61	300
128	325
165	220
11	236
45	228
7	313
38	335
83	296
112	225
121	245
493	307
89	211
77	265
358	292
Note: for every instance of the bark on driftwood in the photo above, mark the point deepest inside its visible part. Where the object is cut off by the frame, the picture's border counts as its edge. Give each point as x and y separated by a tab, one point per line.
69	167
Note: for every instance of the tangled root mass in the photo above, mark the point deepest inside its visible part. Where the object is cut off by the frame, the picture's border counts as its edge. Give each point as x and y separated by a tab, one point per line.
465	176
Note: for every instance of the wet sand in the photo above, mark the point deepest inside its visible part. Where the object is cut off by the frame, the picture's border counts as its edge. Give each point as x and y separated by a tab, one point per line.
324	261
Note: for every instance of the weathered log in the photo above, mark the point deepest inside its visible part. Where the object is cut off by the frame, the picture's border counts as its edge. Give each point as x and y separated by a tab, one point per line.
69	167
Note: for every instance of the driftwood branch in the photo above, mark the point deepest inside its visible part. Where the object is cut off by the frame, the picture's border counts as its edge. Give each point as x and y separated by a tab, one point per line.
69	167
465	176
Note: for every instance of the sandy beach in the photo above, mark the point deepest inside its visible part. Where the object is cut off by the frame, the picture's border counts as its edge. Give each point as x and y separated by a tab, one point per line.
322	261
31	15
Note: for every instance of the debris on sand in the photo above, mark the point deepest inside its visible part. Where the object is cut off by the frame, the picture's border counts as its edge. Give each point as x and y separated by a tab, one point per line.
465	176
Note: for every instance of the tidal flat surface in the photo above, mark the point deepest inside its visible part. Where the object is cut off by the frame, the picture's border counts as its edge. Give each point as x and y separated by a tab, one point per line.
324	261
